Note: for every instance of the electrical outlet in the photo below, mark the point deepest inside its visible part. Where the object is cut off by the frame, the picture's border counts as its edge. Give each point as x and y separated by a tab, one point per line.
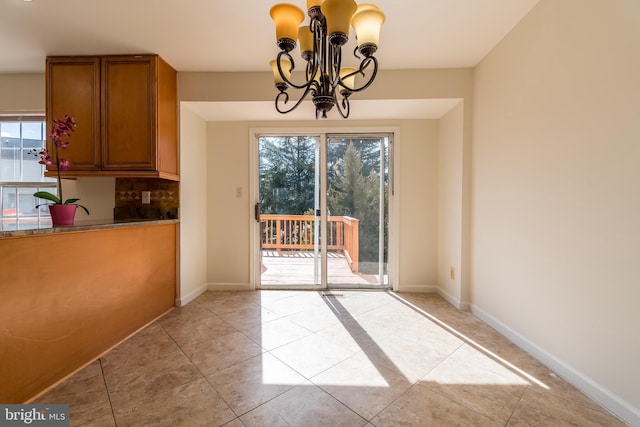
452	273
146	197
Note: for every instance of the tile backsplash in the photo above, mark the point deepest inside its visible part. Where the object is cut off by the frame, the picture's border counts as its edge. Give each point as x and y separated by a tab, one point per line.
164	200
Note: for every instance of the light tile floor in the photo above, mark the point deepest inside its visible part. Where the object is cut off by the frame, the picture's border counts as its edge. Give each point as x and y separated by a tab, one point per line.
301	358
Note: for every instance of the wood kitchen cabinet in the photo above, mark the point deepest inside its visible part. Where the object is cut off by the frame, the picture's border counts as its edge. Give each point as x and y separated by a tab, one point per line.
125	107
73	88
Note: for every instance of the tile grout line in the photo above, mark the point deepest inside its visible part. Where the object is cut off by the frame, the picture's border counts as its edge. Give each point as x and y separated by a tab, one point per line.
237	416
515	407
202	375
106	387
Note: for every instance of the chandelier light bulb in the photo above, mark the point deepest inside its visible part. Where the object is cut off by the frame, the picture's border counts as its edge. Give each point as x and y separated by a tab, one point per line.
367	6
287	18
305	37
367	24
338	14
348	77
286	70
314	3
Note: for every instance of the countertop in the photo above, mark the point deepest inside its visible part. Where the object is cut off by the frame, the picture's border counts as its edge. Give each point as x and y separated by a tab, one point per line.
79	225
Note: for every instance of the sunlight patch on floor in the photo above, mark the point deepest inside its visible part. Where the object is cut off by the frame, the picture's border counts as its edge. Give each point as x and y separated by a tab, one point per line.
399	342
488	353
357	371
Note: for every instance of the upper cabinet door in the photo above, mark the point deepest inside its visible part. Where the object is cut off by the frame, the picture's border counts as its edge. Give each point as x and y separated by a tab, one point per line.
73	88
129	110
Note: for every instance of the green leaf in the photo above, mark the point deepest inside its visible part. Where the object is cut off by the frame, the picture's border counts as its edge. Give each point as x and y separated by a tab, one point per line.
47	196
72	202
80	206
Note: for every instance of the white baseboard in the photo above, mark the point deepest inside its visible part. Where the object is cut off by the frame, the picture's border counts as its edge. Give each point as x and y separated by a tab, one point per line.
186	299
229	287
464	306
453	300
595	391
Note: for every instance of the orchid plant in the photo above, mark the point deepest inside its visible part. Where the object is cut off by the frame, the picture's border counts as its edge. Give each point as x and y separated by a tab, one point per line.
61	129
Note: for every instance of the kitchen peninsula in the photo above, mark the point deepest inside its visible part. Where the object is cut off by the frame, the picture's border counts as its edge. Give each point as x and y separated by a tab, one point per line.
69	294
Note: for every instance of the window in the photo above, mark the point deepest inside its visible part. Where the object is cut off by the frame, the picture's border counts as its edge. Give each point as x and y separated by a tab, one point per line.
21	139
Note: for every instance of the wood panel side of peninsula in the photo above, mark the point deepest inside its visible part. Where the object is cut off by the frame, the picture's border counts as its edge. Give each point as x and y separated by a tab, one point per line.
66	298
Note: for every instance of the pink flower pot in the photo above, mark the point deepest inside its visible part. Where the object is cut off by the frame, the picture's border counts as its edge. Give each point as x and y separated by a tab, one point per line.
62	215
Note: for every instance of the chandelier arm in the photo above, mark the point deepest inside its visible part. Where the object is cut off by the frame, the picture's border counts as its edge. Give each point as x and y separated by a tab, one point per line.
363	65
316	25
335	52
282	74
285	95
323	53
311	71
313	61
346	107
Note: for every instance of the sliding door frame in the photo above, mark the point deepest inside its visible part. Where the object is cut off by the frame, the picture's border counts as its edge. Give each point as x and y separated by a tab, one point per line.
394	195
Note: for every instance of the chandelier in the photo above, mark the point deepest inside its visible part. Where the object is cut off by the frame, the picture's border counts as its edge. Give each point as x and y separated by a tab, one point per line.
321	45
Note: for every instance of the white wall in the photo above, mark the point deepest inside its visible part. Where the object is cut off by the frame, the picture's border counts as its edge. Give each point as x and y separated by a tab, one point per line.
22	93
450	173
228	219
193	207
96	194
416	177
556	193
230	216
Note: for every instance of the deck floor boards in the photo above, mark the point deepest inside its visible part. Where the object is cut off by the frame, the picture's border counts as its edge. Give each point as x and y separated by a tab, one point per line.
293	268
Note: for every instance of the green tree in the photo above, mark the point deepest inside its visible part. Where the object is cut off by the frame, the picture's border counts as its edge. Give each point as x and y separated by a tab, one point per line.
348	189
367	148
287	174
352	194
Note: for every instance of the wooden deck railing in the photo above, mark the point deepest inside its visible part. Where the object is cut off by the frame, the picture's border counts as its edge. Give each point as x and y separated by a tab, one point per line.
296	232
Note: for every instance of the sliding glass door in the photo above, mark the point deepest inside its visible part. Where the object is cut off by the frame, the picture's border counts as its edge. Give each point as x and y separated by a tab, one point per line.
323	211
357	203
289	204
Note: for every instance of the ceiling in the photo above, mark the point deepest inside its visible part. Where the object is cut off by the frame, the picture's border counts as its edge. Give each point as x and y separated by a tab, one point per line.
238	35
